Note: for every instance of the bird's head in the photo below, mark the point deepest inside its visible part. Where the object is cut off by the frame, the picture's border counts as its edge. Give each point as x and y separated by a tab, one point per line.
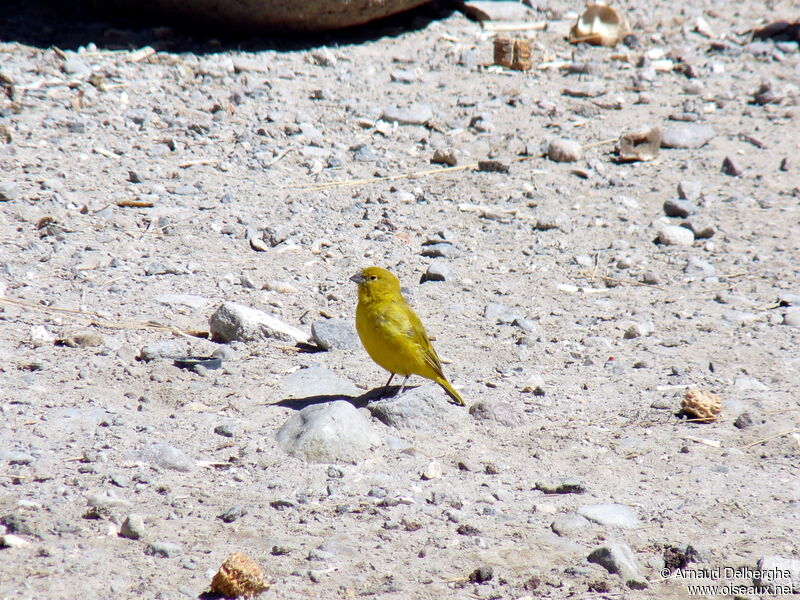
374	283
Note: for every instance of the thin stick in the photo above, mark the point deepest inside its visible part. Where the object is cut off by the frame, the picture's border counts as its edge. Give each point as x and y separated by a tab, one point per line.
772	437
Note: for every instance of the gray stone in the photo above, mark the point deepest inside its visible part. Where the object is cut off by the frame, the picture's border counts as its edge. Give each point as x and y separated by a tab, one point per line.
569	524
316	381
107	501
402	76
774	569
334	334
163	549
619	559
563	150
610	515
132	527
8	191
674	235
233	321
445	156
438	270
424	408
161	349
416	114
167	457
328	433
690	190
75	66
698	266
311	134
792	318
679	208
500	411
365	153
440	250
500	313
14	457
686	136
190	300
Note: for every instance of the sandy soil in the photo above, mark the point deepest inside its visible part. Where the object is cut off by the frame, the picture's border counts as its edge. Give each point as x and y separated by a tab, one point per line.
233	143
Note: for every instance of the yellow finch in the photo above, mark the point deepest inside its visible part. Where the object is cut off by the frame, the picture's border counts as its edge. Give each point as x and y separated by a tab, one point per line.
392	333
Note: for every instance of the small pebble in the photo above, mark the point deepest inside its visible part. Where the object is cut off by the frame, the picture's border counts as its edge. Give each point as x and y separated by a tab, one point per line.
563	150
729	167
674	235
679	208
438	270
132	527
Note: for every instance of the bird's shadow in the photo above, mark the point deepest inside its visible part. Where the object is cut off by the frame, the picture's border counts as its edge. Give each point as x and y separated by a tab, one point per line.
69	25
373	395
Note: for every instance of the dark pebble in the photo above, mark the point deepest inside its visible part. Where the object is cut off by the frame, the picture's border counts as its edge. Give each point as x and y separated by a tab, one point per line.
481	574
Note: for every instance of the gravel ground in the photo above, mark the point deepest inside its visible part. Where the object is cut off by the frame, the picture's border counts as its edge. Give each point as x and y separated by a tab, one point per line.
148	175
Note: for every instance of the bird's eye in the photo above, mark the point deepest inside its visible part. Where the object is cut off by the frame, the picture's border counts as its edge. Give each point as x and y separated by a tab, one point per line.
372	278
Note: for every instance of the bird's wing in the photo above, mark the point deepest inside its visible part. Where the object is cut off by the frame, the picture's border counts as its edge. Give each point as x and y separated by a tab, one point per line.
417	333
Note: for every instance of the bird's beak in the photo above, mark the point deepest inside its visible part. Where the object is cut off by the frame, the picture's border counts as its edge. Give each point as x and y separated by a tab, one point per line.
357	278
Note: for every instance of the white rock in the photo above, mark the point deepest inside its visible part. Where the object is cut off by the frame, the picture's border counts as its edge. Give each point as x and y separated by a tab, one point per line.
40	336
563	150
10	540
674	235
610	515
233	321
328	433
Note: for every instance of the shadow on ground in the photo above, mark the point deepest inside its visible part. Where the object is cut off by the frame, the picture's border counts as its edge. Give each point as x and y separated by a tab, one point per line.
361	401
71	24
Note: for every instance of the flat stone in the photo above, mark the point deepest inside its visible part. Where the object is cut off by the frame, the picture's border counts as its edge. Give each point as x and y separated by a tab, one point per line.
334	334
424	408
416	114
328	433
774	570
162	349
698	266
499	411
500	313
190	300
686	136
610	515
163	549
167	457
569	524
233	321
316	381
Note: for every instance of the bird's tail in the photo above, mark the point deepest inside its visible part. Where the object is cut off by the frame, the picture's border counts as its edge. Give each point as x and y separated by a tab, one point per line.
457	399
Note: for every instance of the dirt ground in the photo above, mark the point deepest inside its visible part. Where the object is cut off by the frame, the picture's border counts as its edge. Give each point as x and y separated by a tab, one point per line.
141	188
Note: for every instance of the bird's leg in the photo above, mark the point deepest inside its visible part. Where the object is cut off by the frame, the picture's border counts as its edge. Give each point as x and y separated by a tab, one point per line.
403	385
386	387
